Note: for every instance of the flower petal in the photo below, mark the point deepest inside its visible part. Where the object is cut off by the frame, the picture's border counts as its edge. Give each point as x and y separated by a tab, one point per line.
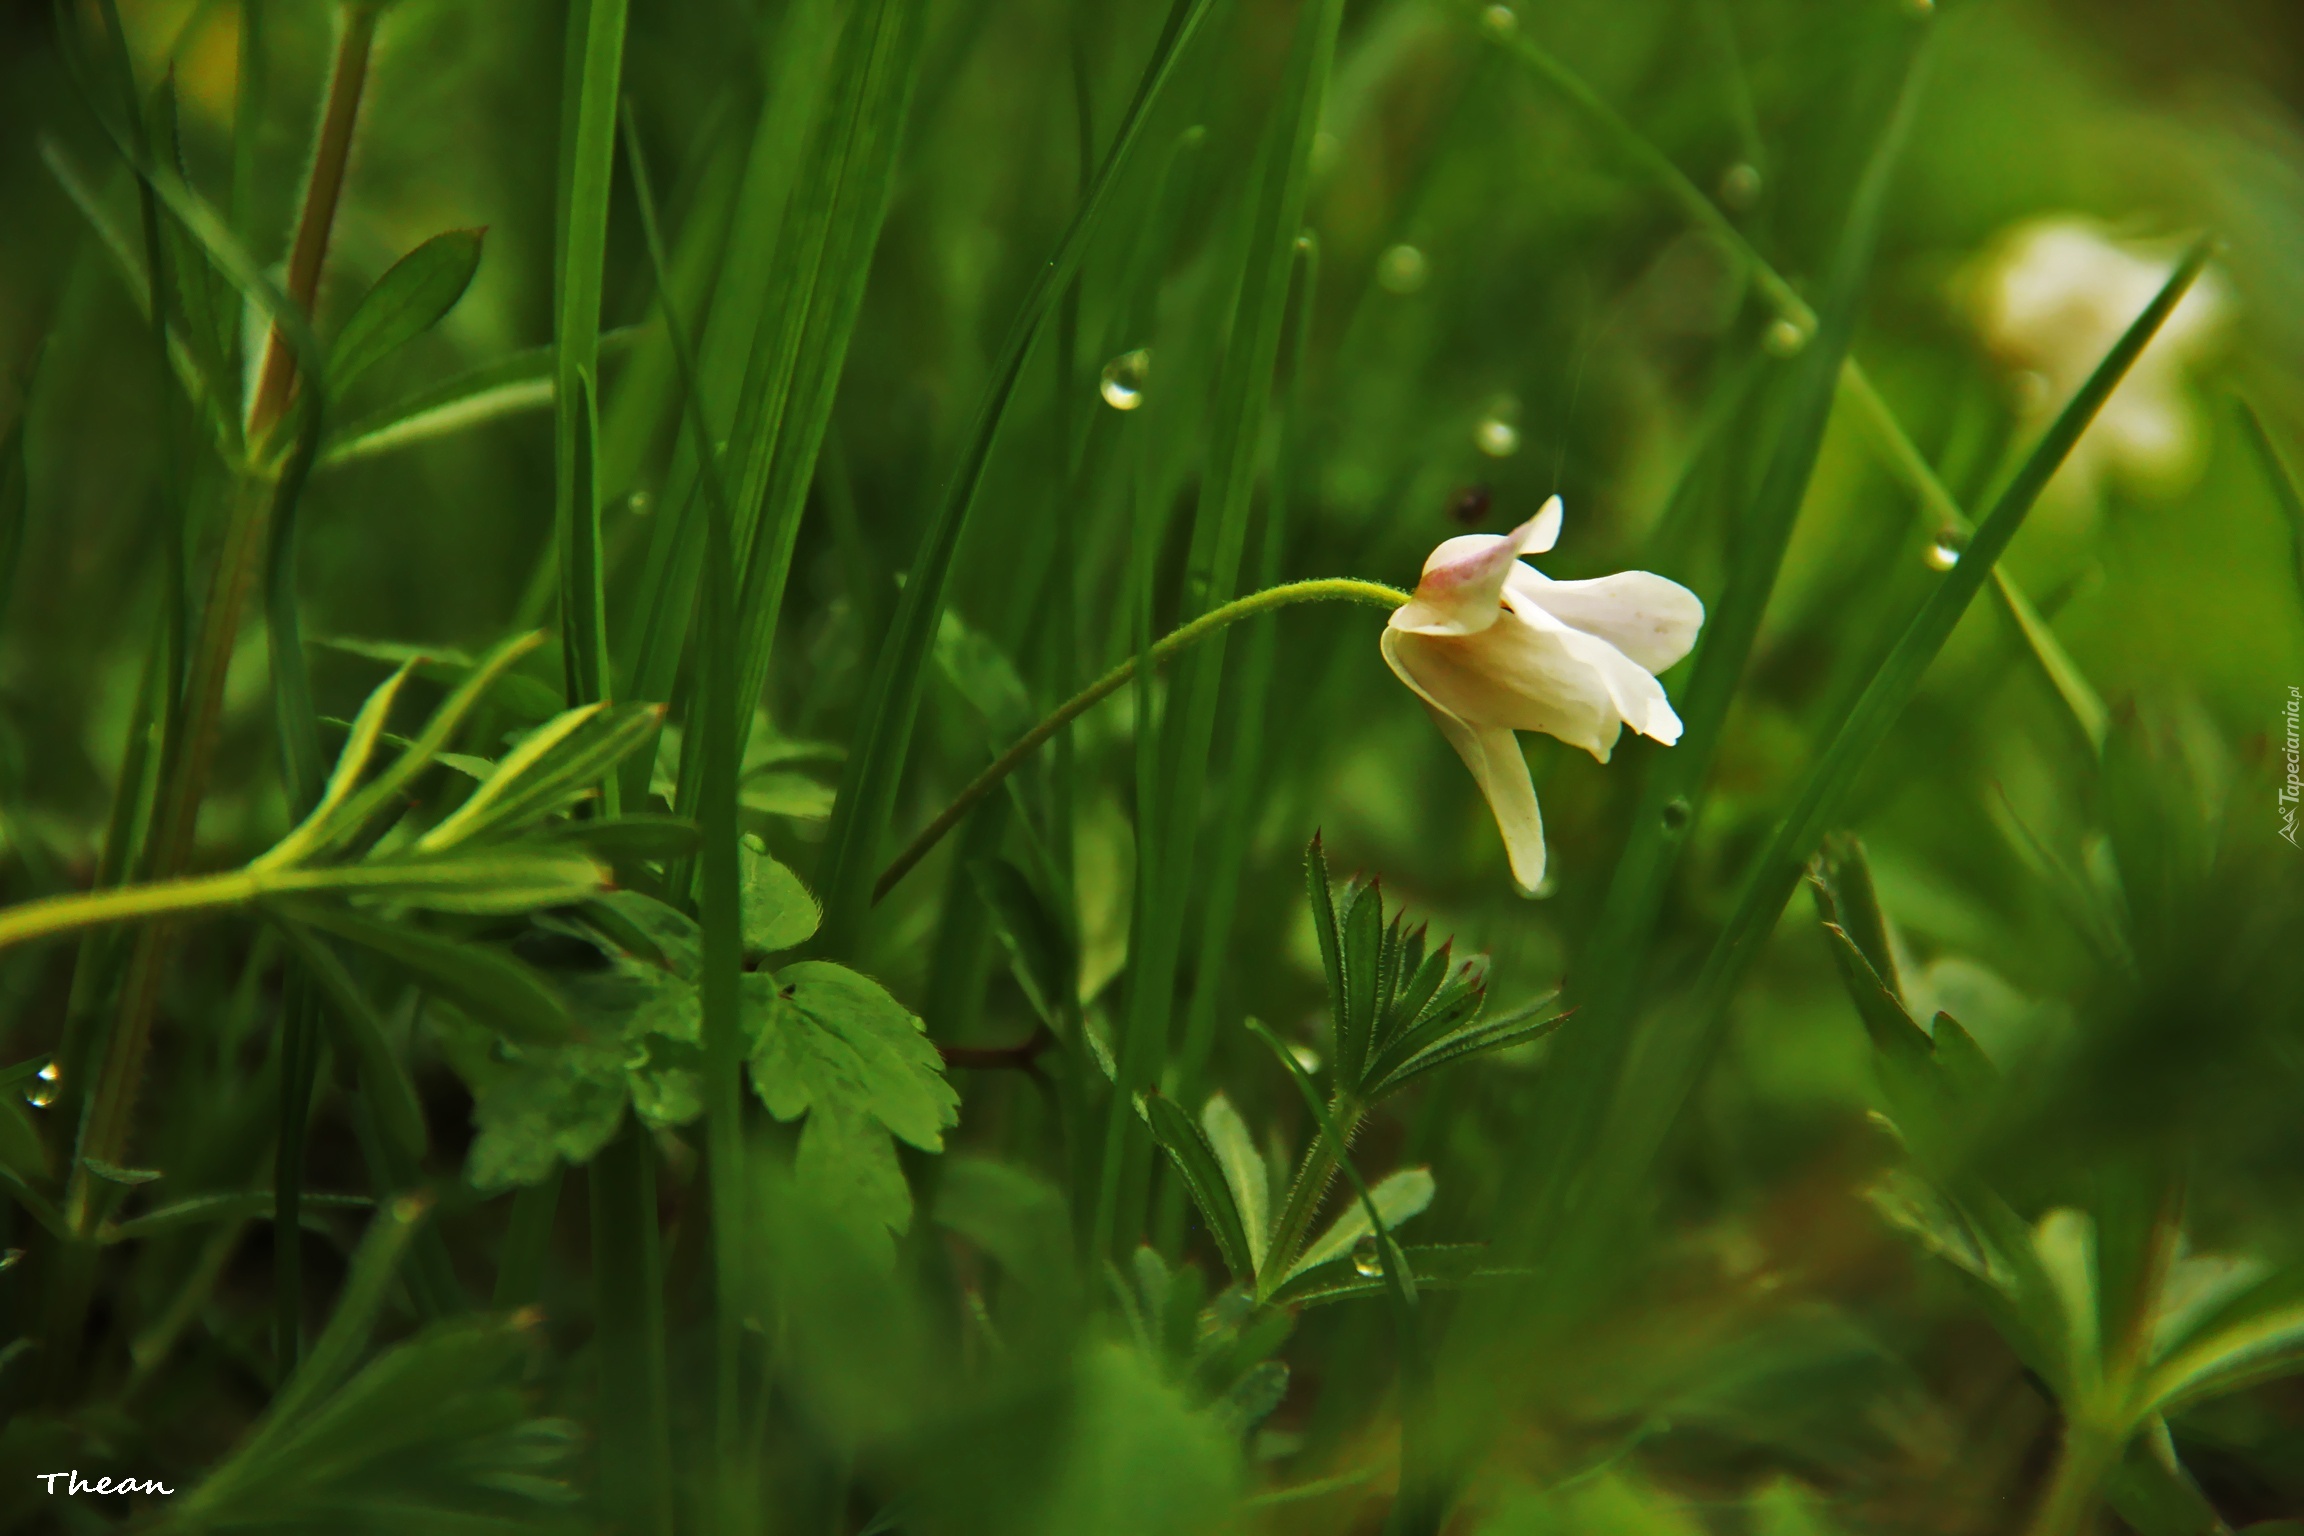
1493	755
1649	618
1462	587
1525	674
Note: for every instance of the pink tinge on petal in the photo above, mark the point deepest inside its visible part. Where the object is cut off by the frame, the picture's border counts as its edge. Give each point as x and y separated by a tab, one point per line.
1462	588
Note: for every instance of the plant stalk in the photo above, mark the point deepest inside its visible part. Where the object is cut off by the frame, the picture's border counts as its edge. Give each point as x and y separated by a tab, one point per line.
1320	589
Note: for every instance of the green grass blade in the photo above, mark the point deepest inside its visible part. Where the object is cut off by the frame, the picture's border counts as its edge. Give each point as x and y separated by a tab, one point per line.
2286	490
588	164
414	294
868	786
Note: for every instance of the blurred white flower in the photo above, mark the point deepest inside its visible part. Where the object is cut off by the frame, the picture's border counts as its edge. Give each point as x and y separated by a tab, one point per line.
1493	646
2054	296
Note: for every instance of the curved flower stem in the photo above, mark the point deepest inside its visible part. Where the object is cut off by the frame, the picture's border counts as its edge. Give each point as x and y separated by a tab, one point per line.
1344	589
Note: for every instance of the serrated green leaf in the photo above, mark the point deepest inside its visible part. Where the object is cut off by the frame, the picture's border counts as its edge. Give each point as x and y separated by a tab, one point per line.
1362	926
548	1107
779	913
1517	1029
1397	1197
831	1044
412	296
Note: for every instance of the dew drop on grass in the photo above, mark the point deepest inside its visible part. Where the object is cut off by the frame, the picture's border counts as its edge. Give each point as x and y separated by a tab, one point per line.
11	1258
1499	19
1740	185
42	1093
1944	550
1401	269
1366	1259
1306	1057
1785	337
1122	382
1676	814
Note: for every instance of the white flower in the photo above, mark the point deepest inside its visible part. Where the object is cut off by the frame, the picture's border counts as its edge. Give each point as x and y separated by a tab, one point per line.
2055	297
1493	646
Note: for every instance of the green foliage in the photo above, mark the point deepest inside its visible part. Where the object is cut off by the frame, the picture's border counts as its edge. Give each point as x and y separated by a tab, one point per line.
868	425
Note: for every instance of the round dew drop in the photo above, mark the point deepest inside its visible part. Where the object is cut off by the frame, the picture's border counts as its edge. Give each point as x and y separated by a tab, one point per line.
1784	338
1402	269
1944	550
1740	185
42	1093
1499	19
1367	1258
1122	382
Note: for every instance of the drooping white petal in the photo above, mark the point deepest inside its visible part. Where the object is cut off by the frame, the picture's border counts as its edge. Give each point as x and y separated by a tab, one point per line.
1462	587
1492	753
1649	618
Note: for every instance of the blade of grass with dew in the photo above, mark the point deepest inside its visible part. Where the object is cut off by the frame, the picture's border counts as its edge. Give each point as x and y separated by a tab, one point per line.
867	793
1646	1108
1903	457
1212	574
1947	518
1546	1180
1606	980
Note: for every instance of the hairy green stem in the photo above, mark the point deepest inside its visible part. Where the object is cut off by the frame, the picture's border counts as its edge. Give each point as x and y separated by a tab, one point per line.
1314	1172
1320	589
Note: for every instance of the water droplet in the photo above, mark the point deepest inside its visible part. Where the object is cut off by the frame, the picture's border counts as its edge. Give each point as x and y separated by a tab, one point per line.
1500	20
11	1258
42	1093
1676	813
1497	433
1122	382
640	503
1401	269
1366	1258
1546	888
1740	185
1785	337
1921	7
1945	549
1306	1057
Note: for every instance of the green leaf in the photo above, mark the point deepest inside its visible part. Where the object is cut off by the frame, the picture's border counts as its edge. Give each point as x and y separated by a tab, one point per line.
414	295
360	1035
834	1046
2241	1354
779	913
491	986
1324	925
1844	895
546	1107
1362	925
1397	1197
1443	1265
1517	1028
549	769
1244	1173
1187	1146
